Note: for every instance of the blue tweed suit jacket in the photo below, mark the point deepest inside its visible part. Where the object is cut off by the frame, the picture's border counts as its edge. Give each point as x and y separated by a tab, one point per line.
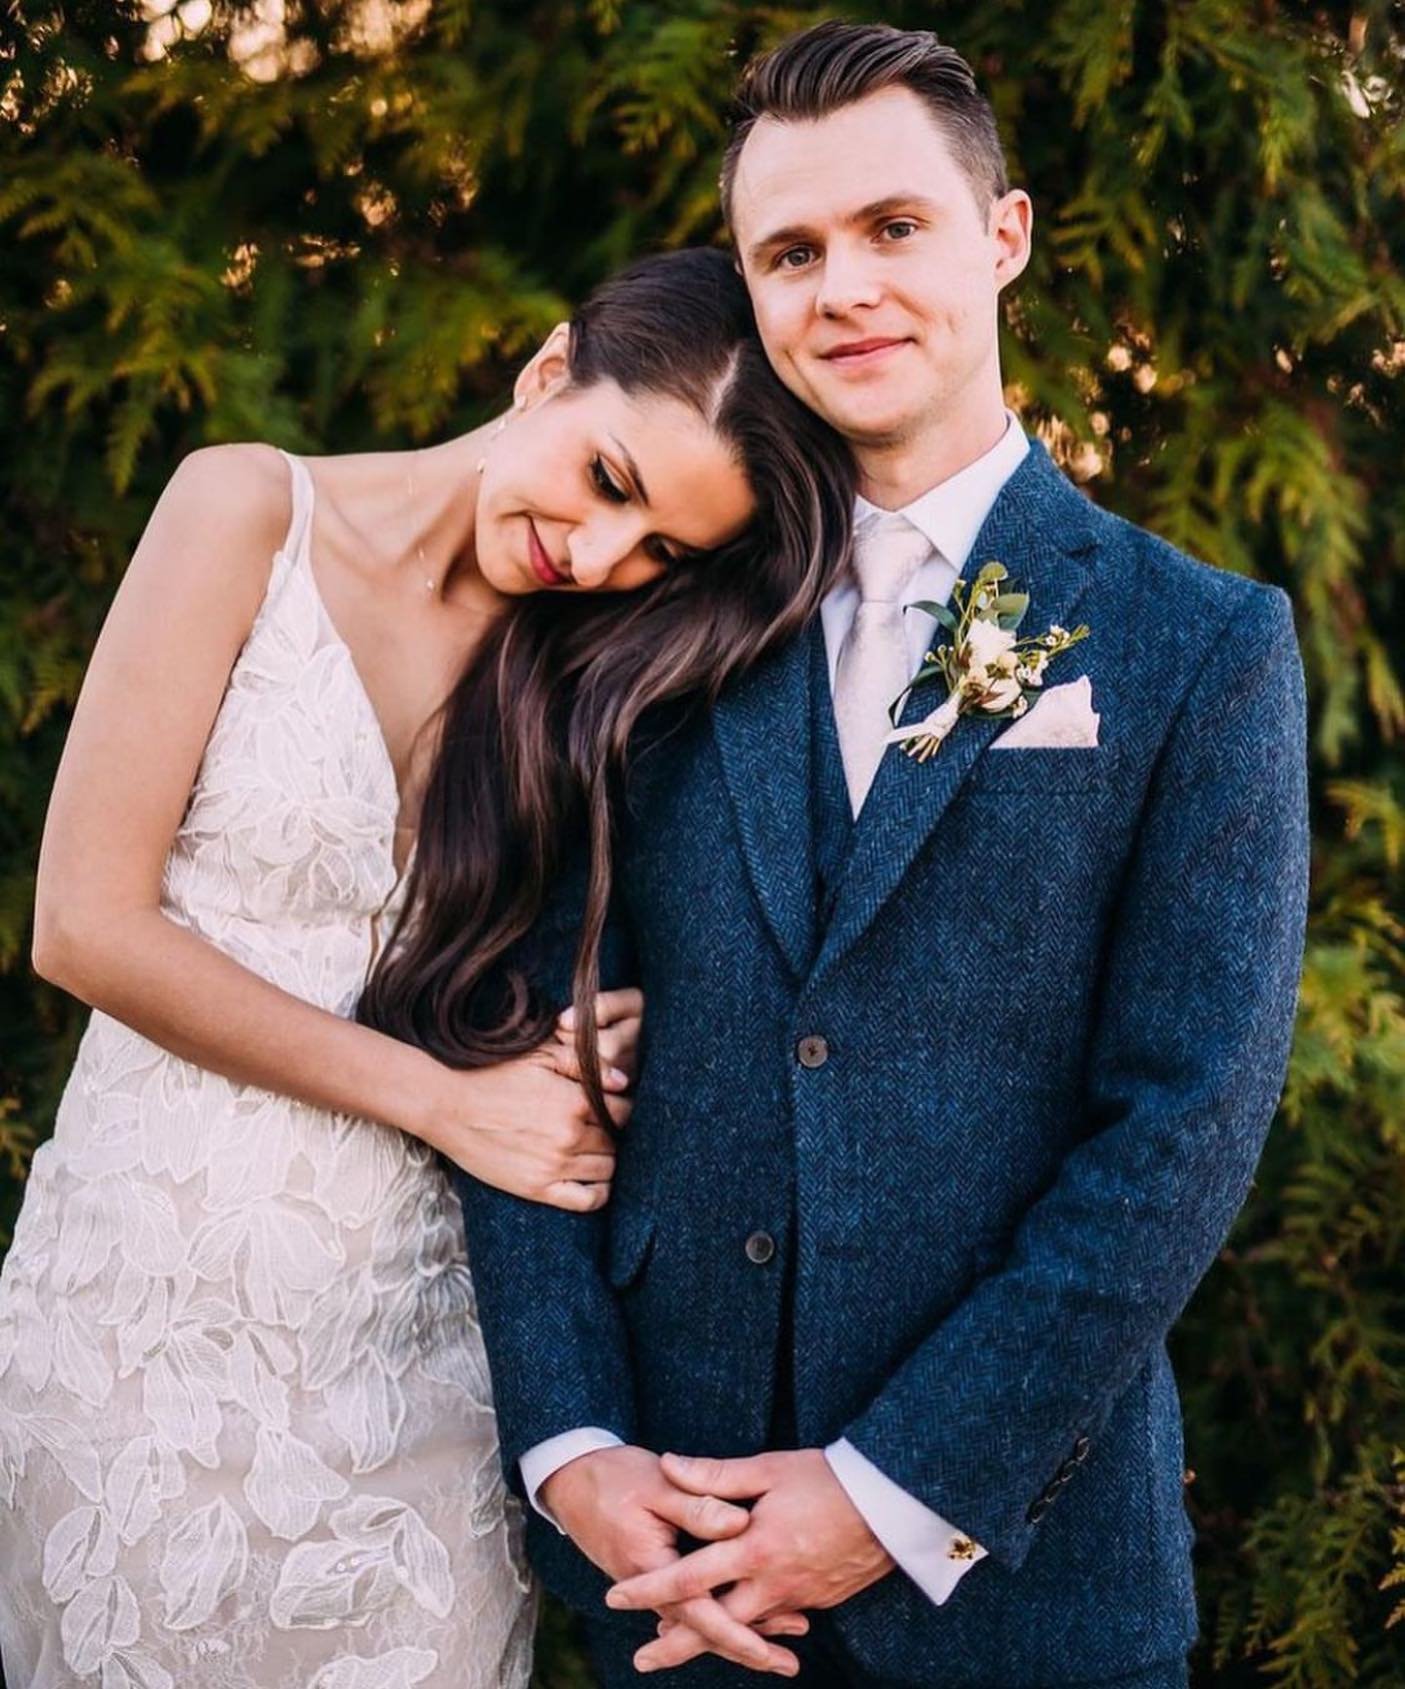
1055	990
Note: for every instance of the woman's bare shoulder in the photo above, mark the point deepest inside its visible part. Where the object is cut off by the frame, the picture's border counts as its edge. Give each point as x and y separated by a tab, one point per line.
220	519
243	489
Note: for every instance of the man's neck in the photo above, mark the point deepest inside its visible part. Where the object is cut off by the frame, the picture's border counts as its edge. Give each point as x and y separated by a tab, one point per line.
892	476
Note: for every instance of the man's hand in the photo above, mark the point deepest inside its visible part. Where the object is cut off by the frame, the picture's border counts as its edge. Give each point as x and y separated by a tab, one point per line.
807	1545
624	1514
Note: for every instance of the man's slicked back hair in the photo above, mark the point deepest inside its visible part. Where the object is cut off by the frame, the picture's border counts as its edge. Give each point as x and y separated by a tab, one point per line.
821	70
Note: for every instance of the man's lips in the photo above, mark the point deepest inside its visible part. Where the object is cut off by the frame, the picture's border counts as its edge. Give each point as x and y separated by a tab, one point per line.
542	566
859	351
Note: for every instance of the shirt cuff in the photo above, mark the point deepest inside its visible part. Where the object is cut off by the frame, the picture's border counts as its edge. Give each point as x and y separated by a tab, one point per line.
541	1460
934	1554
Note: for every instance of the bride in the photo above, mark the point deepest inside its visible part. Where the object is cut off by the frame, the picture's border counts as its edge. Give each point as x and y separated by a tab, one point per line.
246	1426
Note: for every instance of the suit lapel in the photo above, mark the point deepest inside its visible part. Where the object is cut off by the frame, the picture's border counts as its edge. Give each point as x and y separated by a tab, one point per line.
762	728
1041	529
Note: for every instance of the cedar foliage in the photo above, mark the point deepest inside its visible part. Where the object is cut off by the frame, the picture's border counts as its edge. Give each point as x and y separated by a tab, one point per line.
345	232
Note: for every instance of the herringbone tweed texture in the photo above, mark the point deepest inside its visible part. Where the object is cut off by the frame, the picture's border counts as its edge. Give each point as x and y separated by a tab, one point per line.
1056	992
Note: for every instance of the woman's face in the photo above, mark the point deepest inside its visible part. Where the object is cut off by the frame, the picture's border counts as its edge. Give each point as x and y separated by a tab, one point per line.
592	489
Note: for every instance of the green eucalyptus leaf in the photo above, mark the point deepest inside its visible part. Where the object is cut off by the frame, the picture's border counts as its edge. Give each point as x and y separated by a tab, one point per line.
940	611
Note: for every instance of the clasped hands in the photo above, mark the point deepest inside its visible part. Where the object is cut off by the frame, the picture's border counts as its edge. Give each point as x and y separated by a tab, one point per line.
802	1544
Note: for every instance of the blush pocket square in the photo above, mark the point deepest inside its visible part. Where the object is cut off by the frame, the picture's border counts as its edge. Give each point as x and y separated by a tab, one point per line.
1062	716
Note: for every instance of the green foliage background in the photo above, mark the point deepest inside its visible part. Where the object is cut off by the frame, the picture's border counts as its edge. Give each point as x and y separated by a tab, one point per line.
347	233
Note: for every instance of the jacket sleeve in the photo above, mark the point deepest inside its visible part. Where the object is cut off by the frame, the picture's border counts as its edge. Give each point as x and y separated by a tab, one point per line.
1187	1061
551	1325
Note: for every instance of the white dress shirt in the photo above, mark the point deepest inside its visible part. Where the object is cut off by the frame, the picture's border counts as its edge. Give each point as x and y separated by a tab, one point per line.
933	1553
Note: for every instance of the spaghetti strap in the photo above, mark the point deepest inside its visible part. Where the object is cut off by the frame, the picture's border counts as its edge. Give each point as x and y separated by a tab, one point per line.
300	527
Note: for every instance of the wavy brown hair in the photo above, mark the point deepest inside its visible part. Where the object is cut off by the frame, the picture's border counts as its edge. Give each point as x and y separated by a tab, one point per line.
536	734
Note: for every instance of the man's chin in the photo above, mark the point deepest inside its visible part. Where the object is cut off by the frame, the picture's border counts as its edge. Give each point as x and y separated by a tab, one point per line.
873	425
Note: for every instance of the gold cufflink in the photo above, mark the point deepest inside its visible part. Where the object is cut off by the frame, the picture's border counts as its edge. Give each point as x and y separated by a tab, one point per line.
962	1548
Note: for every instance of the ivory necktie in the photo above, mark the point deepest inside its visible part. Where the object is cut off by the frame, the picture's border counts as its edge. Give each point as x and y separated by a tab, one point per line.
874	666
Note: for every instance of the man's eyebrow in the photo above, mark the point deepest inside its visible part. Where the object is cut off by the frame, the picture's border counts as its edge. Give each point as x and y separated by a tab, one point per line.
794	233
633	468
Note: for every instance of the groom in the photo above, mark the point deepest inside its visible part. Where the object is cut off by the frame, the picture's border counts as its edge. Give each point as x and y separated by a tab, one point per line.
956	1069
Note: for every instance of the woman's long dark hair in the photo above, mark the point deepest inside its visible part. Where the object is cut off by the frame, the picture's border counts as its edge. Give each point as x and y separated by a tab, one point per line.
535	734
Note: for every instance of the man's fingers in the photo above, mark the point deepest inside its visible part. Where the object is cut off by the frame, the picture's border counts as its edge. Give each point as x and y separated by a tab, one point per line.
707	1625
694	1575
784	1624
702	1516
736	1480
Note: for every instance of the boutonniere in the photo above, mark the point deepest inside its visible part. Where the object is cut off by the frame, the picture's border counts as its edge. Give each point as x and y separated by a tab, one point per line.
987	666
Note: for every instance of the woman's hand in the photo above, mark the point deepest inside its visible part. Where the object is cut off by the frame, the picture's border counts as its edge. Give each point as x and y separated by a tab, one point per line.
619	1015
524	1128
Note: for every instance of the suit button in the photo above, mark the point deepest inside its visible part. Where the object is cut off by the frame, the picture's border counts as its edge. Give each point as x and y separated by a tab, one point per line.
812	1052
1037	1511
760	1247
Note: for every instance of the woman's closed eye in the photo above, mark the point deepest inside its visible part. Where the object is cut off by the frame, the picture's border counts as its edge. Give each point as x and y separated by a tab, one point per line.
657	550
605	483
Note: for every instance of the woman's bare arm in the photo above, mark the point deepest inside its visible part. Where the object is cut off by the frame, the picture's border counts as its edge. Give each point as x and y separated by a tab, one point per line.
148	702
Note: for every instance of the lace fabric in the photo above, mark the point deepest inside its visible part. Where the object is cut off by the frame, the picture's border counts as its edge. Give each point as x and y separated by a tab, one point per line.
246	1423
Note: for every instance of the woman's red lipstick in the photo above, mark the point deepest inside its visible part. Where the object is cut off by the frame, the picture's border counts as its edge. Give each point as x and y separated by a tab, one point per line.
542	566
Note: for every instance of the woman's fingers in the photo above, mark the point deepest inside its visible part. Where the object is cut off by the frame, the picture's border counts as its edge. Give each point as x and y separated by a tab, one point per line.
610	1006
587	1138
590	1168
564	1062
620	1109
619	1044
576	1198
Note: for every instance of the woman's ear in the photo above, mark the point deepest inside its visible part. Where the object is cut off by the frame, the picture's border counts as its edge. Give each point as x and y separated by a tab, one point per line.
548	369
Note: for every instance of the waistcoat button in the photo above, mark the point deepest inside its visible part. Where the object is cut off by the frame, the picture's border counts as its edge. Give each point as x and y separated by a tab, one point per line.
812	1051
760	1247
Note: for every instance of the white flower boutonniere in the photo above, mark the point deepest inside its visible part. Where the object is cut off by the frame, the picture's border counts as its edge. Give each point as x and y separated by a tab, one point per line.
987	666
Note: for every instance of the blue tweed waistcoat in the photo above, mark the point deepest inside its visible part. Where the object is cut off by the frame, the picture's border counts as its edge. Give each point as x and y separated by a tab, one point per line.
998	1100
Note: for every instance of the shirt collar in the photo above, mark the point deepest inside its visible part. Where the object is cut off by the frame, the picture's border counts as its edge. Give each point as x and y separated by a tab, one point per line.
951	513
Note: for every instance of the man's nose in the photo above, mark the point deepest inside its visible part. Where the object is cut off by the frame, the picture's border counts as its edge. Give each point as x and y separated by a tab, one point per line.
847	282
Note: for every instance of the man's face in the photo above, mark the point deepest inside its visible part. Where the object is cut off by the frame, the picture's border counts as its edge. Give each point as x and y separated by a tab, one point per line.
874	272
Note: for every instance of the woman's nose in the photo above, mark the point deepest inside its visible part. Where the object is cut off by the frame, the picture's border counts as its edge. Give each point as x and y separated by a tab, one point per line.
595	553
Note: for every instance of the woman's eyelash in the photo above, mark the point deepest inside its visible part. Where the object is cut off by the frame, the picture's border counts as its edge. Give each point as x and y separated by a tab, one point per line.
606	483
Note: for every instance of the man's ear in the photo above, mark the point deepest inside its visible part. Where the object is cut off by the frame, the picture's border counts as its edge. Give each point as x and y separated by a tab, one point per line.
1012	226
547	371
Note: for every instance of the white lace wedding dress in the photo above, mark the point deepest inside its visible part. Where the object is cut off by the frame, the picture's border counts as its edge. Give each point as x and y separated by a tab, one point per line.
246	1429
